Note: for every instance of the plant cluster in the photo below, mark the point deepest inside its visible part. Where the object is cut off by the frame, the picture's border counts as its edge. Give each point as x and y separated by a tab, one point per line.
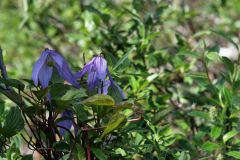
164	86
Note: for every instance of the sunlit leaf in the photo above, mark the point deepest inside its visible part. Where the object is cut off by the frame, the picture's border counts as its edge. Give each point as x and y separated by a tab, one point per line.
234	154
229	135
114	123
216	132
99	100
210	146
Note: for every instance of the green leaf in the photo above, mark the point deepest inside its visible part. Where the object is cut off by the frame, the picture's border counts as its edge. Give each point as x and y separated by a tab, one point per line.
199	75
200	114
13	96
40	94
202	33
13	83
114	92
213	56
229	135
2	108
124	61
78	152
29	81
27	157
124	105
99	100
80	112
104	17
61	105
114	123
61	146
111	59
99	153
74	94
30	110
227	95
210	146
234	154
161	114
229	64
215	132
189	54
184	156
13	124
65	157
58	90
138	5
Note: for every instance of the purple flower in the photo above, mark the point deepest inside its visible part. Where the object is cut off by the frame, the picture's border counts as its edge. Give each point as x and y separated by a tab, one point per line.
67	123
43	69
97	71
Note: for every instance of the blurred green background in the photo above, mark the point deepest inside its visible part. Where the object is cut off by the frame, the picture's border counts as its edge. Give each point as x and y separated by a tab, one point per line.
77	26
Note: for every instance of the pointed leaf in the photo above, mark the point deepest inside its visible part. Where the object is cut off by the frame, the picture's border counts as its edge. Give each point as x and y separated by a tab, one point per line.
124	61
58	90
215	132
229	135
124	105
78	152
99	100
61	146
234	154
13	124
13	96
200	114
115	122
40	94
27	157
99	153
13	83
210	146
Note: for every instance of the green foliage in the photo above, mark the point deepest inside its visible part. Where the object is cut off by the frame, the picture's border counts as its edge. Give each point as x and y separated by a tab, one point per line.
115	122
182	97
99	154
99	100
13	124
234	154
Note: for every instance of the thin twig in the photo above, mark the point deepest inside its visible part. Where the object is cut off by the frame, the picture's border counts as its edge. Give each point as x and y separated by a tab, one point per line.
28	143
88	147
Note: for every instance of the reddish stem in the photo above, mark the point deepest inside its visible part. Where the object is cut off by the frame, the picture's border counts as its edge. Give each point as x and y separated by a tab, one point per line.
88	148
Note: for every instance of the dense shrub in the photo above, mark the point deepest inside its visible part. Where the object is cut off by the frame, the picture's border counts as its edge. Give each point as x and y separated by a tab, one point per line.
120	79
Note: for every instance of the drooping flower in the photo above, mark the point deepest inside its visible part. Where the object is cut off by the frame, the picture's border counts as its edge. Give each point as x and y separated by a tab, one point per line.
43	69
67	123
97	71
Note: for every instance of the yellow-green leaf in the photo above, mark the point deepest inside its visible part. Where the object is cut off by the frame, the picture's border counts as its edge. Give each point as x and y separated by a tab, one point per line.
114	123
235	154
99	100
229	135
